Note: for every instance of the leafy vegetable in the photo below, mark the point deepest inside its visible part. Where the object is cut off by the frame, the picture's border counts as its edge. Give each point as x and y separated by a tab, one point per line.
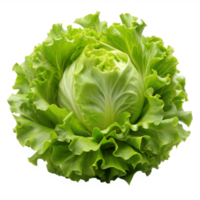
100	102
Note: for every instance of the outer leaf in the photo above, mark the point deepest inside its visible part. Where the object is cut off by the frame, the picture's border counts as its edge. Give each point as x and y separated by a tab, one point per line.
151	113
92	21
31	134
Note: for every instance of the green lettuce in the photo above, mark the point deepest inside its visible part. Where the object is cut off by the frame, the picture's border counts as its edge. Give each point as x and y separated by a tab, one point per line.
101	102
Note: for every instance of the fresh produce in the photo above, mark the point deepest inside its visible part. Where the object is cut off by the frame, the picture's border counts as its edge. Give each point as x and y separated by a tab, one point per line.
101	102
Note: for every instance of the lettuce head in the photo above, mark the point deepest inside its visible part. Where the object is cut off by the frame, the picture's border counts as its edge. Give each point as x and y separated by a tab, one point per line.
100	101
